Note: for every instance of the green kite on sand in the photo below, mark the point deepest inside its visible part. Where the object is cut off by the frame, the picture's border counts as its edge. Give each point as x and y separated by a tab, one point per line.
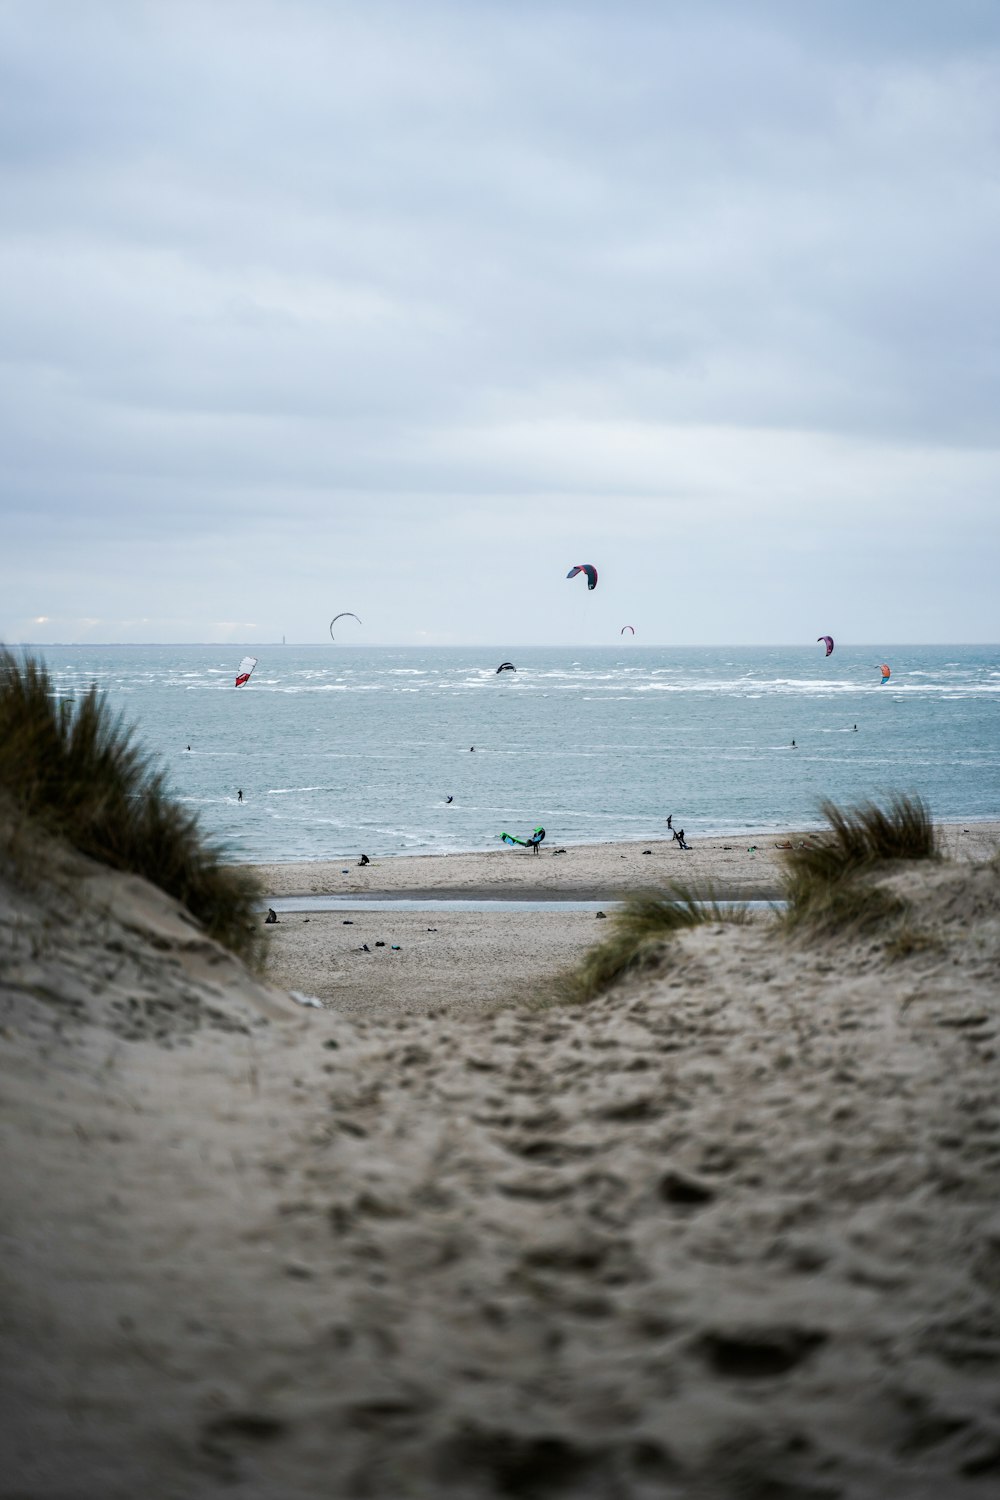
532	843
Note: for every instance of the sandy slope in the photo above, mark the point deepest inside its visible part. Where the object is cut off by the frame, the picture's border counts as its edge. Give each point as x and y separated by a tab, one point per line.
729	1232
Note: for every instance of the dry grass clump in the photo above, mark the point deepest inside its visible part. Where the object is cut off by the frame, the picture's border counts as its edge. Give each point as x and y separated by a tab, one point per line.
909	941
827	883
641	927
76	768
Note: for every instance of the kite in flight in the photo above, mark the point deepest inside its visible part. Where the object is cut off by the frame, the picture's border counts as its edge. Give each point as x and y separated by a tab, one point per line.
506	666
886	672
627	627
345	614
829	642
590	571
245	670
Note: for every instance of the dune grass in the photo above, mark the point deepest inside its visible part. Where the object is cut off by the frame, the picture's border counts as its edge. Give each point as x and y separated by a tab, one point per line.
641	928
77	769
827	882
826	886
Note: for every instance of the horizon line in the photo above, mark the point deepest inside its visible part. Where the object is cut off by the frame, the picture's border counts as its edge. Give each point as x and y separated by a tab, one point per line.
484	645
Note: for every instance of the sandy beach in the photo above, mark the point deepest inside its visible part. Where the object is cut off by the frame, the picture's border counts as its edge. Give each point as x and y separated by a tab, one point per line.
458	961
742	866
728	1230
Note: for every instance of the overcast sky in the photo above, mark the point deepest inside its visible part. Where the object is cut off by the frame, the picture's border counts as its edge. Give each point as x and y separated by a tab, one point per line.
405	309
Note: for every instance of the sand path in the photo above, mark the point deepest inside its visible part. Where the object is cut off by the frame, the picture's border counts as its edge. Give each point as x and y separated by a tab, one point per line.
727	1231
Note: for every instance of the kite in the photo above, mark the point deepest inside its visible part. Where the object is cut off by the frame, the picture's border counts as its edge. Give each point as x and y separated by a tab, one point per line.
246	668
886	672
590	571
532	843
627	627
345	614
829	642
506	666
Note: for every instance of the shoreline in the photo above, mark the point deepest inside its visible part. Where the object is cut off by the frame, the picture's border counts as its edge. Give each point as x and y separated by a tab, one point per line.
735	867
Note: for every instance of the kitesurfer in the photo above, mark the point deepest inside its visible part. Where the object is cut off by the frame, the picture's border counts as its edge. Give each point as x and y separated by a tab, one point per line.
364	860
670	822
239	795
679	836
449	798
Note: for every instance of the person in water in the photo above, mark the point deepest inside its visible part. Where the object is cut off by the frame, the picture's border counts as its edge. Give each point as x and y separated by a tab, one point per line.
449	799
239	795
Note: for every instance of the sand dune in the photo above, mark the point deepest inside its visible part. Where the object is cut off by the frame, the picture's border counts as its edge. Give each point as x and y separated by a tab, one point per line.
728	1231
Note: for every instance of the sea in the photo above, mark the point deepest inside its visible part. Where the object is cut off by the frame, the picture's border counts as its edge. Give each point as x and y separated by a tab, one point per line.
340	750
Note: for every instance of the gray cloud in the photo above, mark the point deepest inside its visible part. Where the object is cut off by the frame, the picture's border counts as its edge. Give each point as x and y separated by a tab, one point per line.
424	282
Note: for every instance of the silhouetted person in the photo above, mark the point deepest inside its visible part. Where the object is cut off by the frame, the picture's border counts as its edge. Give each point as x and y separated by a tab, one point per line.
535	840
239	795
670	822
272	916
364	860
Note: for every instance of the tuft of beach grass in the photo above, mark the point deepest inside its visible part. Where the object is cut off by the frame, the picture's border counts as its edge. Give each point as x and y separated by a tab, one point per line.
827	883
641	929
76	768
